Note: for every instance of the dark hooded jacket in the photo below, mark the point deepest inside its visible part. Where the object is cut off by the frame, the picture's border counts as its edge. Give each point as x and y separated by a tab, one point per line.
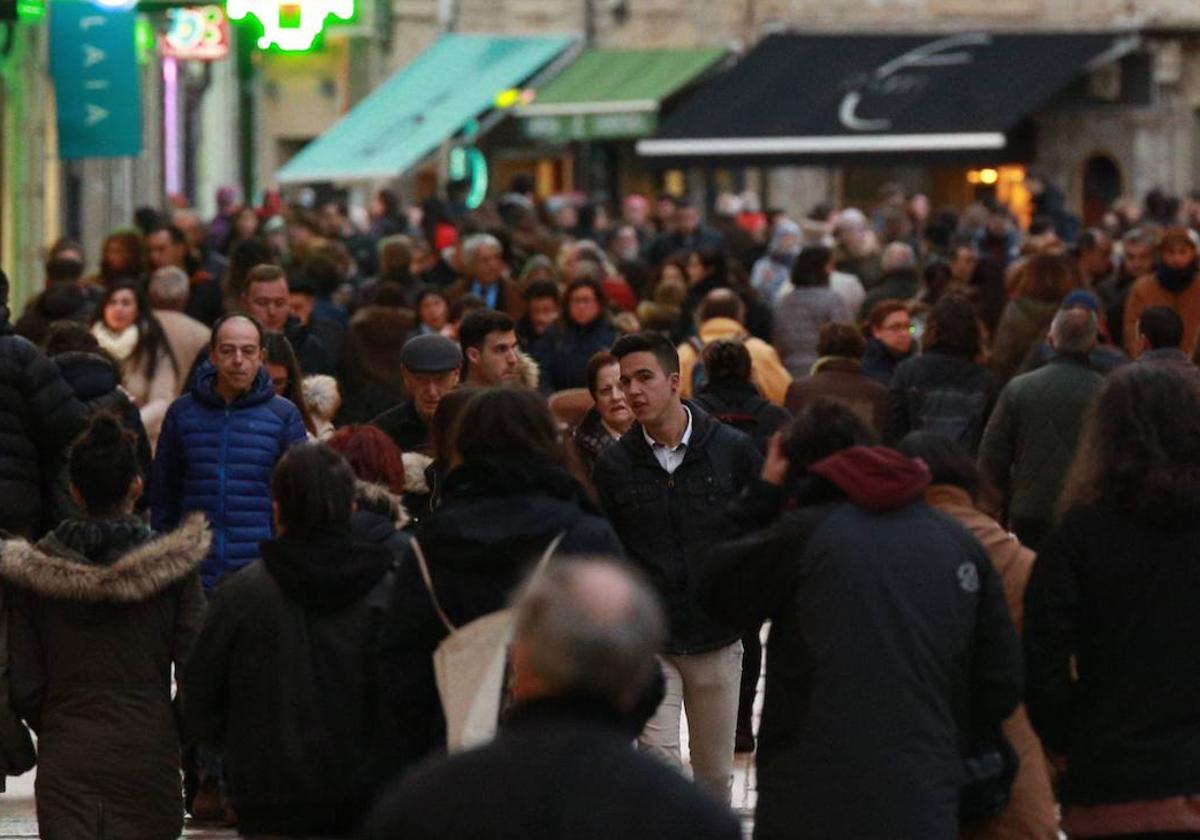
667	522
890	642
283	681
101	611
497	517
880	363
379	517
738	403
39	417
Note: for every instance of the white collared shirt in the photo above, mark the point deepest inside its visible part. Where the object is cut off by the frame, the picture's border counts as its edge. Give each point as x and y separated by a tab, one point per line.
670	458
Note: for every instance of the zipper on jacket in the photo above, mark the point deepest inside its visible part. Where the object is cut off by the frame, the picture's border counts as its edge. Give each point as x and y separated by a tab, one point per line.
221	552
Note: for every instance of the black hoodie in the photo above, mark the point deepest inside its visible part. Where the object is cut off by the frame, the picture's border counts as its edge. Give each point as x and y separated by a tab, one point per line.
497	517
284	681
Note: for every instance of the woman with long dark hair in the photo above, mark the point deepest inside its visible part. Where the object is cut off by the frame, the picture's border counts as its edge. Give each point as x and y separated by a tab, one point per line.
946	389
286	376
126	327
801	313
103	609
1111	624
509	495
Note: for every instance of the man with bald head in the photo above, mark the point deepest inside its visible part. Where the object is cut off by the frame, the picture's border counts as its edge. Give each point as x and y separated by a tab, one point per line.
1032	435
583	659
219	444
722	318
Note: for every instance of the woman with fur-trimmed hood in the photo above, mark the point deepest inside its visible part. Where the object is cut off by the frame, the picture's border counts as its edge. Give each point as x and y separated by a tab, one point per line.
102	607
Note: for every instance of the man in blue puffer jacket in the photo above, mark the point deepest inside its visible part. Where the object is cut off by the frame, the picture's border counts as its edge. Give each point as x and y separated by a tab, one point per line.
219	445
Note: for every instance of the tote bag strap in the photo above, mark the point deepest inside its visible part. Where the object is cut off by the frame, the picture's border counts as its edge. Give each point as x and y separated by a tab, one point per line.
424	566
546	555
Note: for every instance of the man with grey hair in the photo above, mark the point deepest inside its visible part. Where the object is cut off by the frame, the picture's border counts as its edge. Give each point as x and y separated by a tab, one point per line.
486	277
583	662
168	295
1138	248
900	280
1033	433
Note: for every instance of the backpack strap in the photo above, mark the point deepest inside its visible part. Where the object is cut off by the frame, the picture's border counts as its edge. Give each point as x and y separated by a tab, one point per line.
424	567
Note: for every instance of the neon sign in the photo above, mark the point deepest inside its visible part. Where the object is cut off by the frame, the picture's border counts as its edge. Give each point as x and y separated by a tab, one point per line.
290	25
197	34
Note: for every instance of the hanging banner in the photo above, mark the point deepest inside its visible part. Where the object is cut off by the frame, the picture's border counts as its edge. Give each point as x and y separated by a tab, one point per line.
95	71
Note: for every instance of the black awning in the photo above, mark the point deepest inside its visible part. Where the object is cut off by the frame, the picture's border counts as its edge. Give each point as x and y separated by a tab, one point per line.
842	98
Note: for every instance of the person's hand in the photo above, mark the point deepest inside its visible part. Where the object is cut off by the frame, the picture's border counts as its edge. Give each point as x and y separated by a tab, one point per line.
776	466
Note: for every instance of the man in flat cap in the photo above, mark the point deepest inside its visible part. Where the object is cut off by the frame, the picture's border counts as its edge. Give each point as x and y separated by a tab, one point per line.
430	365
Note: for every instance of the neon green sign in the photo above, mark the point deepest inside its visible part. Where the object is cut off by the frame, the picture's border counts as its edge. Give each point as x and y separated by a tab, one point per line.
290	25
468	164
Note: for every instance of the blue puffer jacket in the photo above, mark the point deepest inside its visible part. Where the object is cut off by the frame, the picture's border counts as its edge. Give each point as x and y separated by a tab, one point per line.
218	458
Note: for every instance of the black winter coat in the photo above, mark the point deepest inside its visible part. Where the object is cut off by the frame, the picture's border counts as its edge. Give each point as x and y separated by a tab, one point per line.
739	404
96	383
283	680
39	417
1111	657
942	392
890	639
496	519
668	522
563	352
559	770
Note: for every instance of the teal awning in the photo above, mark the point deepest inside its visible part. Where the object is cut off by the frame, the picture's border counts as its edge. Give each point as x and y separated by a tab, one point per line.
420	107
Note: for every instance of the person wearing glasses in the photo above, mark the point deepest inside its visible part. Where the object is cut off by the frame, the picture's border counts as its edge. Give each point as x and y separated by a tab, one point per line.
220	442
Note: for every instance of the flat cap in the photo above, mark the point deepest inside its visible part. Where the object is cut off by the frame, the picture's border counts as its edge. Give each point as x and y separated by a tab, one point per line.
431	353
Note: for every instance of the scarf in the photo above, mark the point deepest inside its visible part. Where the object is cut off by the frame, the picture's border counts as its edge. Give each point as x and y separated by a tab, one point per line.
121	345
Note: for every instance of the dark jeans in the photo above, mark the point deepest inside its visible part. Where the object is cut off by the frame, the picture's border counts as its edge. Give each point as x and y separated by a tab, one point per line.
1031	531
751	666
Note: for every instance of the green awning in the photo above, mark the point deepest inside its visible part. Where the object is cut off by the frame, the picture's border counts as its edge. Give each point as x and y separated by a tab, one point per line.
420	107
610	94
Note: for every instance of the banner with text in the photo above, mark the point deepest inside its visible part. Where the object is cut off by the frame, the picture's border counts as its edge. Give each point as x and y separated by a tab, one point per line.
95	70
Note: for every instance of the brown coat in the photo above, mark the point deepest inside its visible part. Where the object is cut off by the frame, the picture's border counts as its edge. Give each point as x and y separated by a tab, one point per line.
1030	815
1146	292
92	642
841	379
509	301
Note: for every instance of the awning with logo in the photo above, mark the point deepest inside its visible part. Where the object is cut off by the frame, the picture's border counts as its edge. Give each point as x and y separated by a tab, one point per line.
421	106
609	94
833	98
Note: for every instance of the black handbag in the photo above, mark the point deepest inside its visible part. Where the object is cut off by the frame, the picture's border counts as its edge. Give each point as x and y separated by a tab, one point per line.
990	767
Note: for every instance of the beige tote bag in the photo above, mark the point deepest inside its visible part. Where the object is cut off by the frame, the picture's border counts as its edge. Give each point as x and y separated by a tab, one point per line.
469	664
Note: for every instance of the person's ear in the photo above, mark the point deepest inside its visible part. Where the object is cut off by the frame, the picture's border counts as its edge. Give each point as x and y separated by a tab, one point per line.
279	529
673	379
77	497
473	355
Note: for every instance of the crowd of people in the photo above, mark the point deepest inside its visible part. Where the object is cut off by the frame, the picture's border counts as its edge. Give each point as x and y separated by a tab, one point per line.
410	522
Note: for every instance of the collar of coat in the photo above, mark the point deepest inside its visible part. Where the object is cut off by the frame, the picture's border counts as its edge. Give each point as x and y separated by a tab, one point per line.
137	576
381	500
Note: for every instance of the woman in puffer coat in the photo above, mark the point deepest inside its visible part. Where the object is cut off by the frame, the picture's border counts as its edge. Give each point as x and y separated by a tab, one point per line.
101	610
507	499
1030	814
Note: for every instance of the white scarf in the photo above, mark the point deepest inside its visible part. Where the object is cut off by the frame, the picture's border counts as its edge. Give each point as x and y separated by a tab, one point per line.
121	345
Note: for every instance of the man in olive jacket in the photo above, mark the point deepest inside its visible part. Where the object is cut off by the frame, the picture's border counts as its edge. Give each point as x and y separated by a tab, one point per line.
1031	438
663	487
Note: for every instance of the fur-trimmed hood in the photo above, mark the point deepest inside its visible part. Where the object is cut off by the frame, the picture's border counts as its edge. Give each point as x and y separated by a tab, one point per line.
138	575
378	499
415	477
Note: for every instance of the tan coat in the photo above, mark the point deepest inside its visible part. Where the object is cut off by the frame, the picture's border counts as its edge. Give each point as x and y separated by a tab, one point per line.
1030	815
1146	292
766	370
